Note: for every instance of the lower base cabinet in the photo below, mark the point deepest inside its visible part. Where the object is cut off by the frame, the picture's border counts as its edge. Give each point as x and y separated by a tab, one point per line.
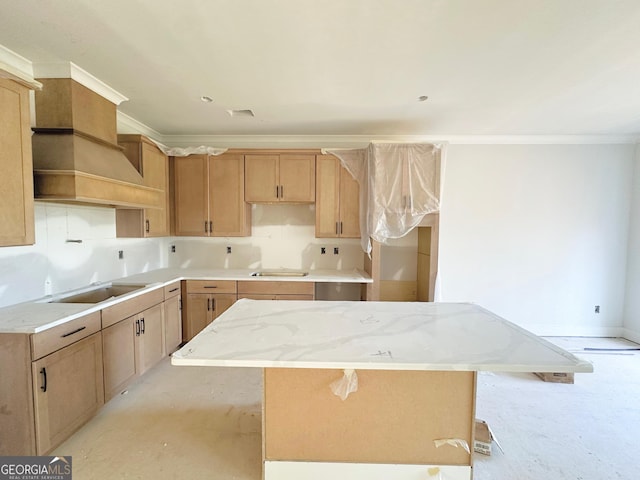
67	391
130	348
54	381
276	290
205	301
172	318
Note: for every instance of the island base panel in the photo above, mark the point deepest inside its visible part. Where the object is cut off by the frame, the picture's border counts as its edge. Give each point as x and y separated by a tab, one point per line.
393	418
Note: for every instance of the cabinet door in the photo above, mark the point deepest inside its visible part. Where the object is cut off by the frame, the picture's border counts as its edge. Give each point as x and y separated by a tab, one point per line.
155	170
198	314
327	196
16	188
349	205
220	302
191	196
261	178
297	178
67	390
119	356
172	324
150	341
229	214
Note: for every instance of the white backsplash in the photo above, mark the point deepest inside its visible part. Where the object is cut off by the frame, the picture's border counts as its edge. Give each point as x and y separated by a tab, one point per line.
57	264
282	236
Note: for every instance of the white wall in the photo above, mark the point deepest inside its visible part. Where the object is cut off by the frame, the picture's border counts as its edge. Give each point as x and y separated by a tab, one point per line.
282	236
632	298
538	233
54	265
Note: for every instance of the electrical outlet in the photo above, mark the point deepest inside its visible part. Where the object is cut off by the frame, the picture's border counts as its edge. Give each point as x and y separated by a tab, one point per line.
229	249
597	309
336	250
120	254
323	250
173	249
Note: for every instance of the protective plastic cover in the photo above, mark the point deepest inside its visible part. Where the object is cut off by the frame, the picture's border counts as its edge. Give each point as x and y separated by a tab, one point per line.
399	185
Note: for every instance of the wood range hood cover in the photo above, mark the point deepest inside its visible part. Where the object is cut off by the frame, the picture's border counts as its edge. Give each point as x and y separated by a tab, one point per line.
76	157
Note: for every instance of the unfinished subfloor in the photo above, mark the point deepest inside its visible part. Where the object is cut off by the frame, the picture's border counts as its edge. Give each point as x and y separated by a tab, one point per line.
204	423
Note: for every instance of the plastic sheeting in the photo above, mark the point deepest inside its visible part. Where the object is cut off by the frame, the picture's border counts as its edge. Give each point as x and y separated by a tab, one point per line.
399	185
186	151
345	385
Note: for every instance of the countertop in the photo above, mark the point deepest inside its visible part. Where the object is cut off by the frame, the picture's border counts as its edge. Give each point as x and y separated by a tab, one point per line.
372	335
39	315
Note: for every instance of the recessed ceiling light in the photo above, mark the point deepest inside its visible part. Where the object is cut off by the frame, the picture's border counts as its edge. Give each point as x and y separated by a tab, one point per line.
422	98
206	99
241	113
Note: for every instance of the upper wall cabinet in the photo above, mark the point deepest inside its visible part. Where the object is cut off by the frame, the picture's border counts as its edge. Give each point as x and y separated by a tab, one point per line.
209	196
337	200
153	165
273	178
16	187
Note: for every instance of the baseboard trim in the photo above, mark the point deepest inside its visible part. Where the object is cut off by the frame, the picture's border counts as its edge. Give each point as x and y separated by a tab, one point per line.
631	335
574	331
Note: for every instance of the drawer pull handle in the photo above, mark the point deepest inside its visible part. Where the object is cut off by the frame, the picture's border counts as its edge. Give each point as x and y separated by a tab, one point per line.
210	286
44	379
142	322
71	333
138	328
173	290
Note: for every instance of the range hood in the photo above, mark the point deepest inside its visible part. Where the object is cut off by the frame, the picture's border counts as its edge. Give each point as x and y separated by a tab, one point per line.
76	157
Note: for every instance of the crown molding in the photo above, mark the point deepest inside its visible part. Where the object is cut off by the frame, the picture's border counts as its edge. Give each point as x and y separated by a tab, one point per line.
17	68
73	71
128	124
358	141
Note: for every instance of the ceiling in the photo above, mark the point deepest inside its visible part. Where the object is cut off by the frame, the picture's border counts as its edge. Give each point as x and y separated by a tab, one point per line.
350	67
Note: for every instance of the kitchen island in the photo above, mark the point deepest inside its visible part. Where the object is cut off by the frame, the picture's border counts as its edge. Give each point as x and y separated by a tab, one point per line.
413	410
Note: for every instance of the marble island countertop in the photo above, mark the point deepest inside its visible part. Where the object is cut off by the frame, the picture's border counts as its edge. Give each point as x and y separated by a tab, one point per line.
372	335
44	313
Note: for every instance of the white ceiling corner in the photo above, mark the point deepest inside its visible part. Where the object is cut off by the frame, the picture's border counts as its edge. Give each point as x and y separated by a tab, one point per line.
344	72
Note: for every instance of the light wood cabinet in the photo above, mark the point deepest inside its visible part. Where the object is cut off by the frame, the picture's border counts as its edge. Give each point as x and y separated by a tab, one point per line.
172	318
202	307
119	353
67	391
150	341
52	383
276	290
153	165
272	178
133	339
16	188
337	200
209	196
131	347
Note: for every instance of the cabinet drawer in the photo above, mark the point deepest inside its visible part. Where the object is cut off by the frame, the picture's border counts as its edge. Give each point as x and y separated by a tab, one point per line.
258	296
172	290
276	288
211	286
126	308
55	338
